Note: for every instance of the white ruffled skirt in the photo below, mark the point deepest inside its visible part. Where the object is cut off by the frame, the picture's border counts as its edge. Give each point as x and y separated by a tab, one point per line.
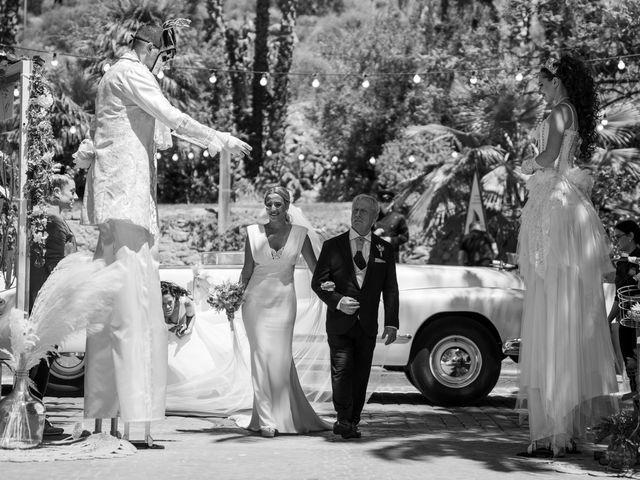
566	359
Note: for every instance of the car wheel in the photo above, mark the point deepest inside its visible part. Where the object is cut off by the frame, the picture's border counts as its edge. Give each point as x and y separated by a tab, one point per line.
407	373
455	362
66	376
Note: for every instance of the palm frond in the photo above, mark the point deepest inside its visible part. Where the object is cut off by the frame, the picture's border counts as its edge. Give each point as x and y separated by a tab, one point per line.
463	139
434	193
621	121
621	160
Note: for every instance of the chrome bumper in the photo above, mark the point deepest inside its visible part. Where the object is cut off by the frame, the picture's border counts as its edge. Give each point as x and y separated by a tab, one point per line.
511	347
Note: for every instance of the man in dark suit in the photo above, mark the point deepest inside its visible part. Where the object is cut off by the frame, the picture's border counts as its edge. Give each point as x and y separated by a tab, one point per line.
353	270
391	224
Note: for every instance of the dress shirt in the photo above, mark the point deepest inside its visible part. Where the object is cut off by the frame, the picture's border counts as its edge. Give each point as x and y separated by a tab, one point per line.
366	249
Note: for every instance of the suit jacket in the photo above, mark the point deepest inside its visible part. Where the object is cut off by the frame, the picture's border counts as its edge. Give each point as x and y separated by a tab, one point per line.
336	264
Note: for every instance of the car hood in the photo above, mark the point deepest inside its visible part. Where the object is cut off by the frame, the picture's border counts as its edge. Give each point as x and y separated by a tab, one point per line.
412	277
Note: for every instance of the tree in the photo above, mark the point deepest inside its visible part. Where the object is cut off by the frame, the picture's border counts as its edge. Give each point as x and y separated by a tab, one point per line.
9	25
260	96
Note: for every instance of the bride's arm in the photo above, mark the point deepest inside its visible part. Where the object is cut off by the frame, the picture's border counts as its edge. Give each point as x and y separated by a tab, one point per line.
557	127
309	255
249	264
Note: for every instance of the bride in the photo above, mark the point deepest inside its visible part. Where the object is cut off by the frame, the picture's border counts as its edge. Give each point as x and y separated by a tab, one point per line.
269	313
567	361
210	370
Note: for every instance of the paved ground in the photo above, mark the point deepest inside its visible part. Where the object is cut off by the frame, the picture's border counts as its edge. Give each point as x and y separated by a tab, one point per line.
403	437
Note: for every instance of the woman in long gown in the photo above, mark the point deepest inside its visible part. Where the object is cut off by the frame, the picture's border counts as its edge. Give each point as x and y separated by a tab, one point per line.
567	359
269	314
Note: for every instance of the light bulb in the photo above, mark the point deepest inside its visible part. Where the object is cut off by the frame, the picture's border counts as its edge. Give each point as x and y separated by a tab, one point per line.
106	67
365	82
604	122
263	80
158	156
72	130
519	77
334	159
160	75
213	78
16	92
174	157
190	155
454	154
372	161
205	153
268	153
417	78
412	159
54	60
315	83
301	157
599	127
473	80
621	65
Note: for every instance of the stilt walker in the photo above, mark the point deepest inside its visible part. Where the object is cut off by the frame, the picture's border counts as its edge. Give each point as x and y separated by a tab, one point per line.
127	353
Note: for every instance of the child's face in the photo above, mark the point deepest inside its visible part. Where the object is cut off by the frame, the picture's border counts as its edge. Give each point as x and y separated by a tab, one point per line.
66	195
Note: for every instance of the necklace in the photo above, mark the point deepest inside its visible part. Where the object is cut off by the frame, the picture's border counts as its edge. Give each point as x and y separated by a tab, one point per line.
560	100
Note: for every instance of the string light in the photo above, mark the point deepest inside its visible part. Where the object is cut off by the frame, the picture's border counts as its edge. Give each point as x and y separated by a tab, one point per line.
160	75
54	60
372	160
301	157
205	153
473	80
174	157
16	92
604	122
519	77
365	83
412	159
334	159
72	129
315	83
268	153
599	127
106	67
620	59
454	154
158	155
263	80
213	78
417	78
190	155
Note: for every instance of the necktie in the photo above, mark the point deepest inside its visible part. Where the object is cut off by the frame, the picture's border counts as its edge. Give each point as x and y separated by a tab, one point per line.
358	258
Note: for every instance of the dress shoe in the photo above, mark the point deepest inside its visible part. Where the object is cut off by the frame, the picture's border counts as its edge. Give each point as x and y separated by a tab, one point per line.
50	430
346	430
268	432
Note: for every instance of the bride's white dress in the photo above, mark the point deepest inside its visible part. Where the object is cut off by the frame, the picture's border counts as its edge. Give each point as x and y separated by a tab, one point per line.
269	314
566	359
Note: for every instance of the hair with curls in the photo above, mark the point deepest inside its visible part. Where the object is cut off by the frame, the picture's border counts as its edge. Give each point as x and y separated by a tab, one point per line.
58	180
176	291
281	192
578	80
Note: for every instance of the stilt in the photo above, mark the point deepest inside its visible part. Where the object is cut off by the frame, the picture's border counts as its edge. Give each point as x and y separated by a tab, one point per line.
127	427
98	426
114	427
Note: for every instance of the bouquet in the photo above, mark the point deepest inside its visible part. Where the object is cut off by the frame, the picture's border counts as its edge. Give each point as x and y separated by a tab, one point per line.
227	296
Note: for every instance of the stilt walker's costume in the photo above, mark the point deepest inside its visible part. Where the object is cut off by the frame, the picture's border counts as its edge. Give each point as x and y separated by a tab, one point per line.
127	353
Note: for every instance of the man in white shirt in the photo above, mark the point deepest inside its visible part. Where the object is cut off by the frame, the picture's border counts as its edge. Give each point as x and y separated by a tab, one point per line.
354	269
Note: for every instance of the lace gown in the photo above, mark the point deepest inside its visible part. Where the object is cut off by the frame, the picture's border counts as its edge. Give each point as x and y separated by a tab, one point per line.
269	314
567	359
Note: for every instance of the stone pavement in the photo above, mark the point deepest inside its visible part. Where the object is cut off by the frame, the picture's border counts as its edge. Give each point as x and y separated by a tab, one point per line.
403	437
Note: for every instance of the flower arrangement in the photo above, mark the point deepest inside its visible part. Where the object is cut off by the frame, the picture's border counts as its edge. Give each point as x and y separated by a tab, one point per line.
227	296
40	164
622	428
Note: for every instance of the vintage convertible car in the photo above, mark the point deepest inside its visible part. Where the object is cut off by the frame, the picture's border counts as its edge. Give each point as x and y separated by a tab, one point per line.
454	323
